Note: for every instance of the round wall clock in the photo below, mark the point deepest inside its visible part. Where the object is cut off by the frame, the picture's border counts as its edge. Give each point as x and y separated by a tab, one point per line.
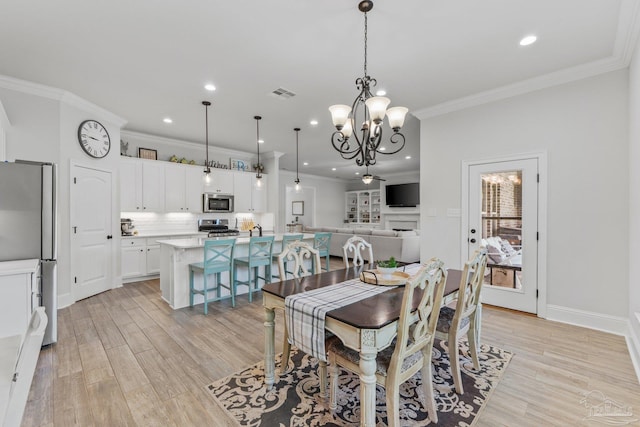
94	139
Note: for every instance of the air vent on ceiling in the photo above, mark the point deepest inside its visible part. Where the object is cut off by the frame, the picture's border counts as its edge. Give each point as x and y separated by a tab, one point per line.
282	93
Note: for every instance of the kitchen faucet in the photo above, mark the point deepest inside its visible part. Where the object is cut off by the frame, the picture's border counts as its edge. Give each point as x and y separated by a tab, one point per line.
259	229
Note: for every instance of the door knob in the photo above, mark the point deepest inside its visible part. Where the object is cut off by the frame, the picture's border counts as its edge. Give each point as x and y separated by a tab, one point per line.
472	240
473	231
109	236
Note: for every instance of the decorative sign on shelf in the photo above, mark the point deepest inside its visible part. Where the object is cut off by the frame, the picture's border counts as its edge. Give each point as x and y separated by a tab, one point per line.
240	165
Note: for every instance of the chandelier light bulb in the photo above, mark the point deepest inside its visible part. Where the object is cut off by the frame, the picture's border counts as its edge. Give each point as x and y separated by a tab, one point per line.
396	117
347	129
339	115
367	179
207	178
377	106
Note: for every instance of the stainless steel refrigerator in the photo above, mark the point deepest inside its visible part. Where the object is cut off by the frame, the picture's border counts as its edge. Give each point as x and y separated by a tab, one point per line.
28	227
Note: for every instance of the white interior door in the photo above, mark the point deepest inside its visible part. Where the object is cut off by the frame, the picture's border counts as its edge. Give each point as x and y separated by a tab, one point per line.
91	231
503	217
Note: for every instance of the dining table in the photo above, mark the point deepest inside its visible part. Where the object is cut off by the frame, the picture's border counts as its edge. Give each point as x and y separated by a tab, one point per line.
367	326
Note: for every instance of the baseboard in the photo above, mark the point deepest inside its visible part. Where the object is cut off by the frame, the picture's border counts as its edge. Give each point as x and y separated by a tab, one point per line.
588	319
65	300
633	343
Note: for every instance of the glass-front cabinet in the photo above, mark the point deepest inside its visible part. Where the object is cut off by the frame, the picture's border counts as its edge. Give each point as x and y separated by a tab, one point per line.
362	207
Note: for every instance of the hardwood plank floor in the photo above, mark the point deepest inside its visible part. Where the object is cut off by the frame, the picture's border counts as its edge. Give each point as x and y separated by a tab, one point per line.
125	358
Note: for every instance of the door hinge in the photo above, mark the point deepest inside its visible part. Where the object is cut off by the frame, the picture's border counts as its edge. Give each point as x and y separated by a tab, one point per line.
537	235
537	177
75	279
75	230
74	180
537	293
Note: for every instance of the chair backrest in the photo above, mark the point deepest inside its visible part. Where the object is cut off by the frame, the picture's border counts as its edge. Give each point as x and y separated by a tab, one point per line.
261	247
218	254
322	242
294	255
288	238
470	286
356	244
428	285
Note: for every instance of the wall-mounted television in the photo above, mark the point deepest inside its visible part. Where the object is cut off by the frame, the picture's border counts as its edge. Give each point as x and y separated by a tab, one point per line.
403	195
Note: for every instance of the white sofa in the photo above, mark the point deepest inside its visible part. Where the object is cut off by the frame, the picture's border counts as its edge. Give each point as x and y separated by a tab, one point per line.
402	245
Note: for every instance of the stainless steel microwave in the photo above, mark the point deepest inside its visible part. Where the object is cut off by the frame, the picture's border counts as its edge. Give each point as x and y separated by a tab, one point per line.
214	202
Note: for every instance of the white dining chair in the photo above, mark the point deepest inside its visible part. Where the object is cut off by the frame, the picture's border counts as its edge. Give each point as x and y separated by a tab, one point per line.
454	323
356	245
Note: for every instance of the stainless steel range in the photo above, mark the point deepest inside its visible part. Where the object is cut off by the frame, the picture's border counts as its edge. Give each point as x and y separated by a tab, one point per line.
217	227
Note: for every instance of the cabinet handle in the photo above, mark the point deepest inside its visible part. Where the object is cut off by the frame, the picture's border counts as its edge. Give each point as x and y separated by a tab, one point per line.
144	207
141	250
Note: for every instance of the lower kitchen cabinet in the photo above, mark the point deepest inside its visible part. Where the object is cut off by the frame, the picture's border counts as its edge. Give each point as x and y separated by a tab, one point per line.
18	295
141	256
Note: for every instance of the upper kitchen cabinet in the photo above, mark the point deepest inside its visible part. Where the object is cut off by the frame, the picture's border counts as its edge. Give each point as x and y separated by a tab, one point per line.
221	181
183	188
141	185
248	198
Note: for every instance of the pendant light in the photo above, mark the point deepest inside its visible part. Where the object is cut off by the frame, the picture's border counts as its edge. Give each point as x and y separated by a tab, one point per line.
297	180
259	174
207	168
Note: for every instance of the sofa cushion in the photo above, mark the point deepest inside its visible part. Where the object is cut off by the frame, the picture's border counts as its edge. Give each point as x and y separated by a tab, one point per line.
330	229
312	229
362	231
406	233
344	230
385	233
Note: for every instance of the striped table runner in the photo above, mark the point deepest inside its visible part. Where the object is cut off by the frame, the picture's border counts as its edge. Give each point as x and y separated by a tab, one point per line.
305	312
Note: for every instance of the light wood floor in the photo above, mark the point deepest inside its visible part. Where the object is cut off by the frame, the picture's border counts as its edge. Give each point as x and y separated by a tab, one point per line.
125	358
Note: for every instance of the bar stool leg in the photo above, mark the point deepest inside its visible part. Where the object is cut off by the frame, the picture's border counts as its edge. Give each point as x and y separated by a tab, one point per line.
190	287
205	293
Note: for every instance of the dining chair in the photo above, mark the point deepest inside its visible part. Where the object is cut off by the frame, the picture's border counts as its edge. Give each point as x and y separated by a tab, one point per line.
410	351
322	242
286	238
296	253
454	323
357	245
260	255
218	257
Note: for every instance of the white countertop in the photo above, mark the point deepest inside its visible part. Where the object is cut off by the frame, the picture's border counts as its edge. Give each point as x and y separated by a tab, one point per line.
160	234
199	242
19	267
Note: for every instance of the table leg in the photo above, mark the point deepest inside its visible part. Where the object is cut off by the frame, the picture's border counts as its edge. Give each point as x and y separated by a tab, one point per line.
368	388
269	347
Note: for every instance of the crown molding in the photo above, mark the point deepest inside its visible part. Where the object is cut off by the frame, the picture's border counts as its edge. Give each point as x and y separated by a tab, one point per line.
61	96
626	38
4	119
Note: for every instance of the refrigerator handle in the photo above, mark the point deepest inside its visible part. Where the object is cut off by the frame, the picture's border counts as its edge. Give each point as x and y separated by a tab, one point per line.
49	211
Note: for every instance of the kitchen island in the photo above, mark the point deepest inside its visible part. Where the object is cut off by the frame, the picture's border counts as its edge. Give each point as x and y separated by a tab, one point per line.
177	254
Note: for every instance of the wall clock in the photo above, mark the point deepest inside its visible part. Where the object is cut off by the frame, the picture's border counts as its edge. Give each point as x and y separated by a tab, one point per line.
94	139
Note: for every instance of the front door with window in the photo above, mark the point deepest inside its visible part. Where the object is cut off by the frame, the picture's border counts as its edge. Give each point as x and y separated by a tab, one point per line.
503	218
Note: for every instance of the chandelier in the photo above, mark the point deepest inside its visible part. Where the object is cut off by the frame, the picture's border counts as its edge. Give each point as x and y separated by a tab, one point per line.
259	168
368	112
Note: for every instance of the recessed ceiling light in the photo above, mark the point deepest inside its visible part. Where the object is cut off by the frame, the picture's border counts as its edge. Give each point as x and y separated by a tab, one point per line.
333	169
261	141
305	164
526	41
313	123
167	120
383	148
357	173
210	87
381	92
407	157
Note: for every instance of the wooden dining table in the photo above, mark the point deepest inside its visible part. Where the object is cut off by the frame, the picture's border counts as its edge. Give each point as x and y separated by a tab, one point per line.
367	326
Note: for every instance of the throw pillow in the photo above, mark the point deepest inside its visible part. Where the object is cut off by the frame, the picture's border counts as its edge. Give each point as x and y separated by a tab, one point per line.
494	254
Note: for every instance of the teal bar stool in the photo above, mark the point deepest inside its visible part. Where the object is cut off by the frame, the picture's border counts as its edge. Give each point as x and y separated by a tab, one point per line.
286	239
260	254
321	242
218	257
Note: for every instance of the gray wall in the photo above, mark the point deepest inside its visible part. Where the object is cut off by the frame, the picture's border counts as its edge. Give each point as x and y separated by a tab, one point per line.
583	126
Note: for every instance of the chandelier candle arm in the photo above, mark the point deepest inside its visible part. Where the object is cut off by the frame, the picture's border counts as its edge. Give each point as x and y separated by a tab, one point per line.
370	111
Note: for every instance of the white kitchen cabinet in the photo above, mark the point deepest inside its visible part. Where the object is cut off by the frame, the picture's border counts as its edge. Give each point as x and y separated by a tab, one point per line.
153	255
183	188
18	295
134	258
141	185
152	186
130	185
222	182
248	198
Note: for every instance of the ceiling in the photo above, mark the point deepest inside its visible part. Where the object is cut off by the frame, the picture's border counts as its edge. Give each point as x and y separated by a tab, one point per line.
147	60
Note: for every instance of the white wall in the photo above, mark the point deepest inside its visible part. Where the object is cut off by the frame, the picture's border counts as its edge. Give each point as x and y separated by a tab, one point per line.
583	126
329	199
634	208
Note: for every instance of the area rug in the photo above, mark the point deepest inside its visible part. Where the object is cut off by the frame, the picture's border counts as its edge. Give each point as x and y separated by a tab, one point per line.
295	398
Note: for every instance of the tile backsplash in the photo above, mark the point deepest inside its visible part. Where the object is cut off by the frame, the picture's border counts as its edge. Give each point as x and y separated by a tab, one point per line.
153	223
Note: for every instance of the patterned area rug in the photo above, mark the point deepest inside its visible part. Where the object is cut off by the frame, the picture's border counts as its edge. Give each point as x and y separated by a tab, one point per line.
295	399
